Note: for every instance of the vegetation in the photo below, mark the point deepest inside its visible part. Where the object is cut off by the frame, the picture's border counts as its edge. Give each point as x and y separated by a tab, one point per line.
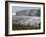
24	27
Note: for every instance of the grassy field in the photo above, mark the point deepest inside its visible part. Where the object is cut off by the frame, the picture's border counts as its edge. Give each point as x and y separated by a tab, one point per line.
24	27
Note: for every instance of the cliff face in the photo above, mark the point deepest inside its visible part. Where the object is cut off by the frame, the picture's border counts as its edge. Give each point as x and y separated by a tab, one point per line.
22	13
32	12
